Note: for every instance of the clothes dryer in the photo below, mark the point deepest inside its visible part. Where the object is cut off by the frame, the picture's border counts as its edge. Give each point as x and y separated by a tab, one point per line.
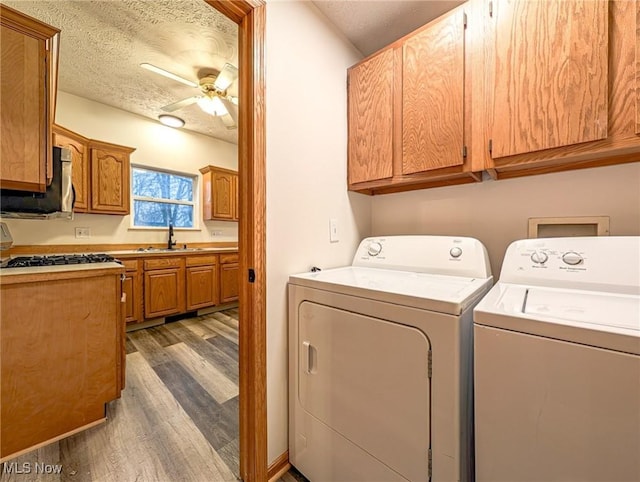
380	361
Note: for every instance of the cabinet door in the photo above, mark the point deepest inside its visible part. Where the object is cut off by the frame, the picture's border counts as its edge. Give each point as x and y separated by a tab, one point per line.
370	116
550	74
223	195
29	67
109	181
229	273
202	287
80	164
132	286
164	292
433	96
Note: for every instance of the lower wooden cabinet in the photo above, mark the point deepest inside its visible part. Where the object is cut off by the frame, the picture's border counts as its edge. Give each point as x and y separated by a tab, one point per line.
62	357
164	287
132	288
202	282
229	273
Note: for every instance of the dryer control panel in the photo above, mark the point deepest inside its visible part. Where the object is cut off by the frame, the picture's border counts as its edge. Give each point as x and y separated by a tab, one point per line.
447	255
598	263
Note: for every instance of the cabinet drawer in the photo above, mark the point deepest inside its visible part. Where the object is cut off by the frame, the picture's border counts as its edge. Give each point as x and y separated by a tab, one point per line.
201	260
130	264
162	263
228	258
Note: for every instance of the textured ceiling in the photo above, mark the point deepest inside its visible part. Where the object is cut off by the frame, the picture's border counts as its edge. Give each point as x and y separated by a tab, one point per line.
102	44
371	25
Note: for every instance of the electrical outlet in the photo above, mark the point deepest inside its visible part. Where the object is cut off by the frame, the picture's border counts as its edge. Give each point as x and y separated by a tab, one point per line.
333	230
216	232
83	232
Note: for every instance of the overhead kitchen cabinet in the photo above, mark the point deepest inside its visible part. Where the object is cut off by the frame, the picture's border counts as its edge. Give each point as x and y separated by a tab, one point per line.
29	68
409	111
219	194
110	178
562	85
101	173
79	148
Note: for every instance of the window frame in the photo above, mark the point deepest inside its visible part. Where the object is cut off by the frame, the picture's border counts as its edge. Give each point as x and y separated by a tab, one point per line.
195	203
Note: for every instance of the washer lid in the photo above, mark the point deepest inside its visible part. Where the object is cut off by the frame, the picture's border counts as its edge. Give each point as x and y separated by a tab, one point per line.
605	320
441	293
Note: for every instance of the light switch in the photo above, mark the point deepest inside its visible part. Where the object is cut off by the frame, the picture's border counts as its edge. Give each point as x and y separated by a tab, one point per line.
83	232
333	230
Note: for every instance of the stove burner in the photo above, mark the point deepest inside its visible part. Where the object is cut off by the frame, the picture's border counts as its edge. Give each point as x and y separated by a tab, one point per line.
58	259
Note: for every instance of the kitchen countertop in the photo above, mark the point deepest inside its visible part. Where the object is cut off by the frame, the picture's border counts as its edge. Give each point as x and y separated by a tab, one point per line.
165	252
63	268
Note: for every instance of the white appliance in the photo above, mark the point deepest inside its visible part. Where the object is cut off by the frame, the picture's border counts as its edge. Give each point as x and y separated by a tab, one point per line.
557	363
380	360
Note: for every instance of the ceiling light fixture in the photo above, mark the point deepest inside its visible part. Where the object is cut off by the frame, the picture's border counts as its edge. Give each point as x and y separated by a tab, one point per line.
171	120
212	104
160	71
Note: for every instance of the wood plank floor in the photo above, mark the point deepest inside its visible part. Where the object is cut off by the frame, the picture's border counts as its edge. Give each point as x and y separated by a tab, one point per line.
177	419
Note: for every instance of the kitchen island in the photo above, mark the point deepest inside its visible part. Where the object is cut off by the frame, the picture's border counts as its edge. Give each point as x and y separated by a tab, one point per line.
61	351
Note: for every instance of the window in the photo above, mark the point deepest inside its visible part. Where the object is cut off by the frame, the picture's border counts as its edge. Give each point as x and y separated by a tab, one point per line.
161	197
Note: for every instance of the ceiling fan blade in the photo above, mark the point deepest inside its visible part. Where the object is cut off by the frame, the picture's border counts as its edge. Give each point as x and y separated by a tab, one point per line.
180	104
168	74
233	99
225	78
231	109
228	121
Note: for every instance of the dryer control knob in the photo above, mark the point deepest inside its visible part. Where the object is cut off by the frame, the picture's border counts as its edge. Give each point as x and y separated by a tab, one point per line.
572	258
539	257
455	252
374	249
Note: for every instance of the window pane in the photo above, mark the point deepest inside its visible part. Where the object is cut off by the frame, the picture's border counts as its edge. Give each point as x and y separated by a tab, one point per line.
162	185
149	213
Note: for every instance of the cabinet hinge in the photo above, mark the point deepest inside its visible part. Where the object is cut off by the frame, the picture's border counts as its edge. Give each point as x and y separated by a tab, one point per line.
430	464
464	19
252	275
430	361
490	146
491	9
464	152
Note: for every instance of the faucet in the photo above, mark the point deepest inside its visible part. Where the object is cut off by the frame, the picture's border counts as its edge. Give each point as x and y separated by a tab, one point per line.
170	242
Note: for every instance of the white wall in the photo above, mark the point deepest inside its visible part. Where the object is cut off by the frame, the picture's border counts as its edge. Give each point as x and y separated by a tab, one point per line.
306	65
156	146
497	212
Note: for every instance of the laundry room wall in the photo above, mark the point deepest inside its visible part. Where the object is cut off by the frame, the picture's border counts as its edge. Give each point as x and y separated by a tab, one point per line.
306	67
497	212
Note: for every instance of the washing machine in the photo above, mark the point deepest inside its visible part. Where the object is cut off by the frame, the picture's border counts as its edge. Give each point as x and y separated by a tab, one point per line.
557	363
380	361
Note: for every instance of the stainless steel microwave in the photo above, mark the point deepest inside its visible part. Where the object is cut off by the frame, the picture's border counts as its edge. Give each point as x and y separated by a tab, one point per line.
56	202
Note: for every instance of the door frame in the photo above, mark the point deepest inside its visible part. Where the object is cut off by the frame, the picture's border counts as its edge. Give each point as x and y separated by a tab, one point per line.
250	16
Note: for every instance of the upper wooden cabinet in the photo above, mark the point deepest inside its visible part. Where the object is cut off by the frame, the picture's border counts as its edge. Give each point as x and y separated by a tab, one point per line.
29	51
562	85
219	194
409	112
370	97
79	148
110	178
101	173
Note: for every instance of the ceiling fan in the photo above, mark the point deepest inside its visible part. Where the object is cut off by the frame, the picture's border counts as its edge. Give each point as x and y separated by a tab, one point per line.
213	98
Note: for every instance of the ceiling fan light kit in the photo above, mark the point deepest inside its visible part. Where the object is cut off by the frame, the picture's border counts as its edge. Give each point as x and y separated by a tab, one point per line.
213	99
171	120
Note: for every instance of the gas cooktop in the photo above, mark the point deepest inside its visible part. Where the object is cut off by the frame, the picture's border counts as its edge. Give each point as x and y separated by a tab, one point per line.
58	259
